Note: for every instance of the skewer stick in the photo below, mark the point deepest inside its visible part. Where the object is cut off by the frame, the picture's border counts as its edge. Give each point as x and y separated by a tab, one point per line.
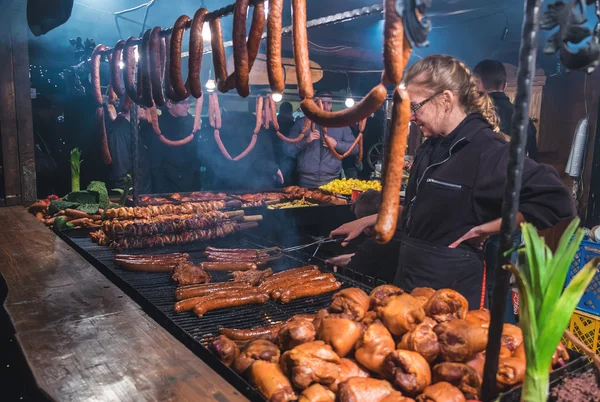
247	225
252	218
233	214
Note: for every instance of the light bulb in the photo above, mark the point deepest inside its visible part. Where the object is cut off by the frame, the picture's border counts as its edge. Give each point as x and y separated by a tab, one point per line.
121	65
267	12
277	97
206	33
349	102
210	85
137	54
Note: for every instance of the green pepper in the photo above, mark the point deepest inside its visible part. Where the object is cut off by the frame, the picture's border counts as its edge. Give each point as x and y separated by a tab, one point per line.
61	223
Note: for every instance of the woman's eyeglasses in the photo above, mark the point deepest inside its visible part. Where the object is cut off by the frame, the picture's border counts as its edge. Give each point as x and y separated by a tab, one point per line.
419	105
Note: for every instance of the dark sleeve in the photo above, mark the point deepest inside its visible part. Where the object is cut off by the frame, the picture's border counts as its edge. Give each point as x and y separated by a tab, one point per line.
292	150
531	147
544	201
347	139
377	260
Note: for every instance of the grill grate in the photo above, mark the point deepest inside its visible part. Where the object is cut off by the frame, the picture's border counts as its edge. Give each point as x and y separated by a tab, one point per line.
155	292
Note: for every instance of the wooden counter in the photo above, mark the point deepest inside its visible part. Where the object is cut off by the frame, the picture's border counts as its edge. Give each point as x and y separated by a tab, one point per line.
82	337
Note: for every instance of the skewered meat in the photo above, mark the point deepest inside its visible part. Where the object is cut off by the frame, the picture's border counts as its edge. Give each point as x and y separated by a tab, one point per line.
253	277
294	333
352	301
461	376
400	313
512	337
422	340
407	371
191	236
479	317
348	369
271	382
259	349
459	340
358	389
186	273
422	294
511	371
441	392
375	344
225	349
166	209
312	362
446	305
340	332
317	393
266	333
560	357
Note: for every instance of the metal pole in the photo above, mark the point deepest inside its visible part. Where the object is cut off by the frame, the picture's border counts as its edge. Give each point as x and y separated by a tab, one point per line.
136	169
512	189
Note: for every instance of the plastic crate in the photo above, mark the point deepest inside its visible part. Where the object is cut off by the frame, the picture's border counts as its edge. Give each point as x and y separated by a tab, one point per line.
590	301
586	327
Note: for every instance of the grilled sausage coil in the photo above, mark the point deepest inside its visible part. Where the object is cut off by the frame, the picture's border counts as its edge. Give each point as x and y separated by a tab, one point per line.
129	64
157	62
144	67
274	66
95	59
180	89
195	56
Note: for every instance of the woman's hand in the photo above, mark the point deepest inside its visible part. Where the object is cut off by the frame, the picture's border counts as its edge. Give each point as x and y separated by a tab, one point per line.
475	237
352	230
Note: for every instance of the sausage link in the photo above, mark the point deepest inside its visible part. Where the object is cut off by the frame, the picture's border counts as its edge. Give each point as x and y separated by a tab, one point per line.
393	33
104	150
394	160
289	281
274	113
300	42
359	157
249	334
187	292
228	266
249	148
231	301
274	65
311	289
180	89
115	68
218	53
129	69
187	304
289	272
169	91
211	110
156	67
305	128
221	146
95	59
195	56
347	117
153	119
335	153
144	62
289	286
267	112
259	109
168	256
147	266
240	51
198	115
222	254
217	112
210	249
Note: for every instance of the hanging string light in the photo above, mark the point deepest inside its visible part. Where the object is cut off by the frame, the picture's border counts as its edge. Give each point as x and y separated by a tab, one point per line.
277	97
349	100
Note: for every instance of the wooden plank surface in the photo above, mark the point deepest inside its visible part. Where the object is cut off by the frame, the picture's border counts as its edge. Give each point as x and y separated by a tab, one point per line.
82	337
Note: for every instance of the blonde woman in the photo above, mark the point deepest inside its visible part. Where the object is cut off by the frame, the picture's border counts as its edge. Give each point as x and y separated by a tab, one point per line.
454	195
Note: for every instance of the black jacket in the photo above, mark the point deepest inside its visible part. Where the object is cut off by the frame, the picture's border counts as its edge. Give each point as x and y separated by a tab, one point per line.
505	110
457	183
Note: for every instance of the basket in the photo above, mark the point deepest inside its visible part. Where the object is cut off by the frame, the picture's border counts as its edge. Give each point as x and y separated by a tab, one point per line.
590	301
586	327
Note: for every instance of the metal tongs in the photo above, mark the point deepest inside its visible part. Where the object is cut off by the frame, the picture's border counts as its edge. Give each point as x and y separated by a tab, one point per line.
318	243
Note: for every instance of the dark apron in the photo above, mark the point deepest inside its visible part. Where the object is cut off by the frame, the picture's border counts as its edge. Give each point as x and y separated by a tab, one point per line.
425	265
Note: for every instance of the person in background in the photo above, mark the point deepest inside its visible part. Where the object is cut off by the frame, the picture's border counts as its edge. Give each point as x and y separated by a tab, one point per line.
492	79
315	163
174	169
258	170
47	147
120	144
285	118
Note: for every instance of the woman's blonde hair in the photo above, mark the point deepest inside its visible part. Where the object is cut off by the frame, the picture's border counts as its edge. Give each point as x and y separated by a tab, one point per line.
438	73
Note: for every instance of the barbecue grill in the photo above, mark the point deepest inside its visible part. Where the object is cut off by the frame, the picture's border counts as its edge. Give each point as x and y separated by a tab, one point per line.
155	293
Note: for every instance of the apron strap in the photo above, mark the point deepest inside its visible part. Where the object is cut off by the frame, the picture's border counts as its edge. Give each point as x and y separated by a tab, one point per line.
483	287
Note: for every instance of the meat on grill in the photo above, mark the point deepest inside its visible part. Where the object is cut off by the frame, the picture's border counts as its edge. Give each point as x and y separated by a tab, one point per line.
252	277
221	230
161	225
186	273
166	209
